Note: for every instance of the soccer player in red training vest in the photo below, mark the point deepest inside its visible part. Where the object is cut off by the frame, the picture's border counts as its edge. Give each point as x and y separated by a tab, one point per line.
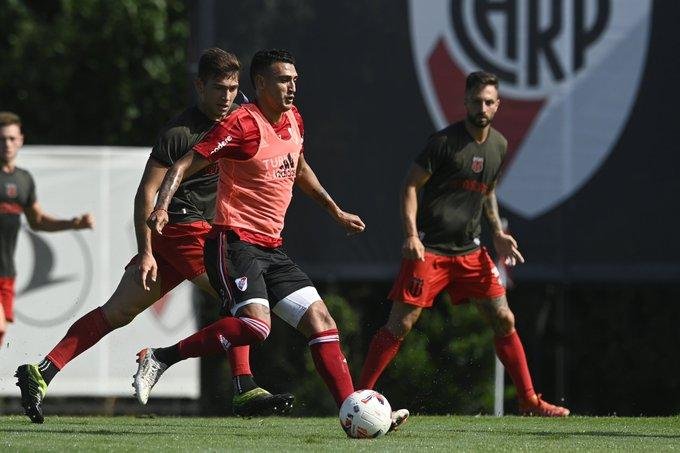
163	262
260	156
17	195
457	172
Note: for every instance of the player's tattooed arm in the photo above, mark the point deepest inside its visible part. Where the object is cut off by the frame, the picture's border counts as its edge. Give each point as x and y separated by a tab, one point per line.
307	181
505	245
491	210
189	164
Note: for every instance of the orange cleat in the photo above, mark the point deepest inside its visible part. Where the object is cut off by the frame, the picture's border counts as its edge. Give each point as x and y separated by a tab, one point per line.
536	406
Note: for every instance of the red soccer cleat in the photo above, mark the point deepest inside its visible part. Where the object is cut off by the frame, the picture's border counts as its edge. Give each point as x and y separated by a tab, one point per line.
536	406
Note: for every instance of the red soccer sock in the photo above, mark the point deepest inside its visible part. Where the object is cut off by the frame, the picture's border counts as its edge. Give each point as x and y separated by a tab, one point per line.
221	335
511	353
81	336
383	349
239	359
331	364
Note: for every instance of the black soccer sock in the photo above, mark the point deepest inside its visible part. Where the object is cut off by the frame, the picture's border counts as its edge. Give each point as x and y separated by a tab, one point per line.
47	370
243	383
168	356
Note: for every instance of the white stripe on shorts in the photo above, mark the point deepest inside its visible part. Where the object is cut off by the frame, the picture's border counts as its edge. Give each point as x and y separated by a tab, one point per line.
254	300
222	266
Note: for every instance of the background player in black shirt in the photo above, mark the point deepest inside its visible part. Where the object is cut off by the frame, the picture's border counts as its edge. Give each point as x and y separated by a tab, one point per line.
457	174
17	195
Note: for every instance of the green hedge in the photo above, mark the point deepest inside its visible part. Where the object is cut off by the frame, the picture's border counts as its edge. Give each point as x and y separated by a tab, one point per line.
121	62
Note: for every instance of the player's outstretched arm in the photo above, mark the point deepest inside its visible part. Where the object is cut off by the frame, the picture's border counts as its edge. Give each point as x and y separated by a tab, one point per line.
39	220
146	268
505	245
413	248
189	164
307	181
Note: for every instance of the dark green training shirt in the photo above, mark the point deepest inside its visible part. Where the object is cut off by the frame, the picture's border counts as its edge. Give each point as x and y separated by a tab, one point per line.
17	192
463	171
195	197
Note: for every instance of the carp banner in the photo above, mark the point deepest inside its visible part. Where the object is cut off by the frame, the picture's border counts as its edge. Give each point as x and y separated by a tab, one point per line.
586	101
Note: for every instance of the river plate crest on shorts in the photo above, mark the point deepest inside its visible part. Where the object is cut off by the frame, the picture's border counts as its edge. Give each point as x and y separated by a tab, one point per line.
569	72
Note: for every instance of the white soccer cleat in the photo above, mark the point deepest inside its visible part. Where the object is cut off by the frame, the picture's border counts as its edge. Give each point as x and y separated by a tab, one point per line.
398	418
149	372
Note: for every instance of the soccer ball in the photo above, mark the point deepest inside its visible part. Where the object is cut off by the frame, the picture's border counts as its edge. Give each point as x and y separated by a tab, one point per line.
365	414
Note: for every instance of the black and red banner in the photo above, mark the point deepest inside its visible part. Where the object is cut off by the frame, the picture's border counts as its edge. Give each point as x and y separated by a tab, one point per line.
588	102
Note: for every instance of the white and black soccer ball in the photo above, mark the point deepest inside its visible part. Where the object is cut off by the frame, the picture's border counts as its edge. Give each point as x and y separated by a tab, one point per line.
365	414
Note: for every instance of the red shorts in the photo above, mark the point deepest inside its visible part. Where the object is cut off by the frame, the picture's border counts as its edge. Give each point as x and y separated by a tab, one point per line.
7	297
471	276
178	253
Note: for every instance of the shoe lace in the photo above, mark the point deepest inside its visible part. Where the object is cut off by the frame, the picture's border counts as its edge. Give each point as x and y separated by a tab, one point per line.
153	370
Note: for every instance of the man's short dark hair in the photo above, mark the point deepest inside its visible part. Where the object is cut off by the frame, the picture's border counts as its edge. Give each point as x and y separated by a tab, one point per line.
215	62
479	79
9	118
265	58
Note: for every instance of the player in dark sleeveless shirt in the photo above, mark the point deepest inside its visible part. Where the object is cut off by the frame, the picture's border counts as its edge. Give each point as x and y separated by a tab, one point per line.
17	196
457	173
163	262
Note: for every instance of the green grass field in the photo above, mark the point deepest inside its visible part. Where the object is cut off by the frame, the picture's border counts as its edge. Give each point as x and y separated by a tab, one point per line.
324	434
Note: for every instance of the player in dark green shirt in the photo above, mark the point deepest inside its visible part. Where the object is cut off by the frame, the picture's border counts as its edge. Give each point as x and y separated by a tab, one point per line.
17	196
457	174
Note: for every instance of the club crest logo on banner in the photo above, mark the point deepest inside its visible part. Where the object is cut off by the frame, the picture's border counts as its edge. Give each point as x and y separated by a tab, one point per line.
569	73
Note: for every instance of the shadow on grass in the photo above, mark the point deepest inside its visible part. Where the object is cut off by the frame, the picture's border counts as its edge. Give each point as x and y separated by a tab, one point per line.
563	434
98	432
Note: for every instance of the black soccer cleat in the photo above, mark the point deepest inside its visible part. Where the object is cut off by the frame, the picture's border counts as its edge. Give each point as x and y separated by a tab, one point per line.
259	402
33	388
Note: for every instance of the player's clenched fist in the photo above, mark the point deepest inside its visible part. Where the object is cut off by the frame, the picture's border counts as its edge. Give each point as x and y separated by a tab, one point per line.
157	220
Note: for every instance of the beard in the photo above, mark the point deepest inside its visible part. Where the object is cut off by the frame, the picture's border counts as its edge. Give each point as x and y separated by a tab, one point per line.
479	120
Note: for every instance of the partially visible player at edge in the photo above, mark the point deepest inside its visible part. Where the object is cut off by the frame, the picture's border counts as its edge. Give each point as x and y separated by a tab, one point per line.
260	156
163	262
457	172
17	195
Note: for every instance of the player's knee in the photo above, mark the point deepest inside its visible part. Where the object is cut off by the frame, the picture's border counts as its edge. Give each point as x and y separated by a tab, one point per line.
400	327
116	316
119	315
505	322
402	319
316	319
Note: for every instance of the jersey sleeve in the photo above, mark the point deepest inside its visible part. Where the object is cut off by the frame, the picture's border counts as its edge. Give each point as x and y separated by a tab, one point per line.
31	197
503	150
222	138
236	137
432	156
170	146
